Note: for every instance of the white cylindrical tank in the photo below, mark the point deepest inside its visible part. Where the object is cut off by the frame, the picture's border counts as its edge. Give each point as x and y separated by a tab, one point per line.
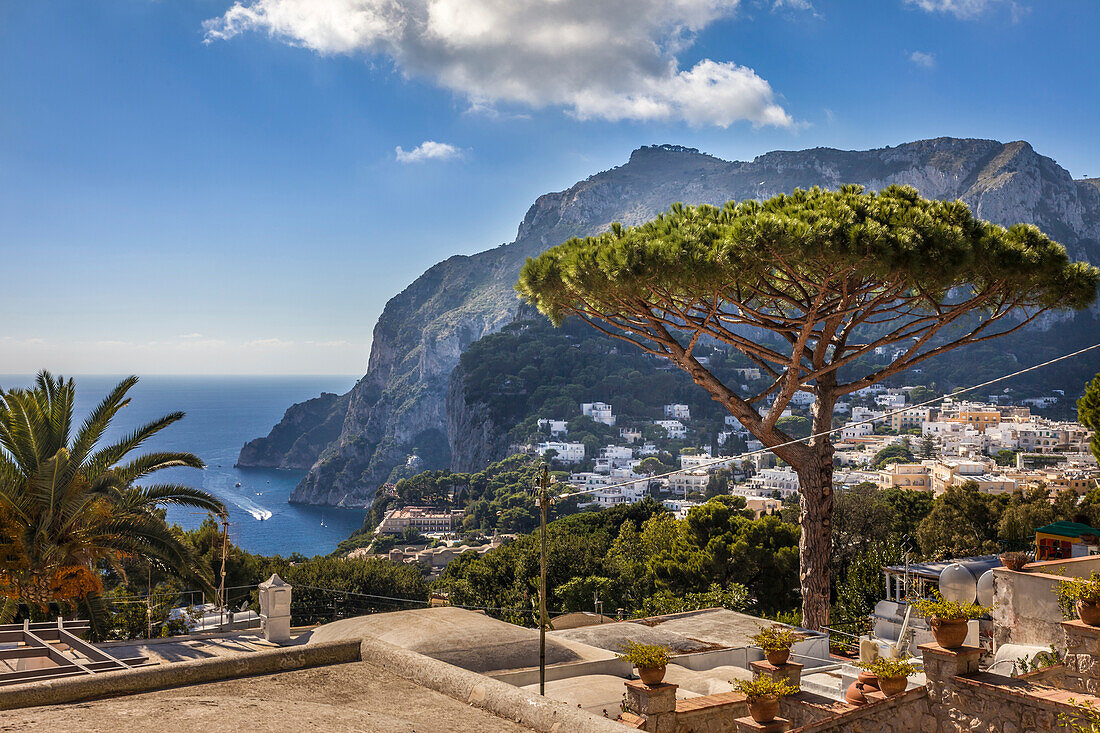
958	584
985	588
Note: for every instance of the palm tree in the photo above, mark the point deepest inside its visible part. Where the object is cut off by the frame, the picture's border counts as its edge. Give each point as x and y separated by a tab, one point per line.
67	504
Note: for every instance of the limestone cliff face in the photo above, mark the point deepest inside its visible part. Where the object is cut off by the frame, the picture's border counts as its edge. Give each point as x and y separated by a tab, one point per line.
475	440
306	429
406	402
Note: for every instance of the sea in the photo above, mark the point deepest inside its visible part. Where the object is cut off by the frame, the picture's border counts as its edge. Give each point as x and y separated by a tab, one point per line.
222	414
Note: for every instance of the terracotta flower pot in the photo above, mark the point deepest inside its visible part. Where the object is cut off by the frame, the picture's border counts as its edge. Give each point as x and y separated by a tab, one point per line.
854	695
893	685
651	675
1088	612
869	680
1014	560
779	656
949	633
764	709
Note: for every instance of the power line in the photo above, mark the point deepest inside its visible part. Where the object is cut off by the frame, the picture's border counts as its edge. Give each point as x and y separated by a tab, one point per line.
772	449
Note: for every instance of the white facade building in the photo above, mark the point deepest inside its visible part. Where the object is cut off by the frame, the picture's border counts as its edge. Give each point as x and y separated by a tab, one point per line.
567	452
852	431
557	427
674	428
678	412
685	482
598	411
769	480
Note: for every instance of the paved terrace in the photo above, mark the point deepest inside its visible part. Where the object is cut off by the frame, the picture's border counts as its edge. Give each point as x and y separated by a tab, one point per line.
358	696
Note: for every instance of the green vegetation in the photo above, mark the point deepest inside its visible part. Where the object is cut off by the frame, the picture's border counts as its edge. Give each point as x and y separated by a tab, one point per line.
887	668
640	559
1088	413
774	638
895	453
764	686
939	607
530	370
774	267
69	505
1072	590
646	656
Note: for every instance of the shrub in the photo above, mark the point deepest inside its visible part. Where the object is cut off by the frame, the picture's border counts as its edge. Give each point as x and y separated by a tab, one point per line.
646	656
774	638
764	686
887	667
939	607
1077	589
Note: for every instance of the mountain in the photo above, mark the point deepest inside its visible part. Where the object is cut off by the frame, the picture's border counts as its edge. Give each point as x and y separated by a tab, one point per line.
399	407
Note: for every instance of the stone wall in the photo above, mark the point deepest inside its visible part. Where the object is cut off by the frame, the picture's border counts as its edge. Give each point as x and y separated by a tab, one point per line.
655	708
908	712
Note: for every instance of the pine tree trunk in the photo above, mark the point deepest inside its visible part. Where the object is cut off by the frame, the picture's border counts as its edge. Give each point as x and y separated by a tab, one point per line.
815	544
815	476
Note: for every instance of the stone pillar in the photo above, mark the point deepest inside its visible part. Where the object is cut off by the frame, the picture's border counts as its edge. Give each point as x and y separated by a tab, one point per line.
941	666
655	703
789	671
275	609
1083	654
748	725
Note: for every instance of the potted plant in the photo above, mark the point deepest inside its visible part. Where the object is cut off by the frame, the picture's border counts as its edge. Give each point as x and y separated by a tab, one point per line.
650	659
892	674
1083	596
776	642
1015	560
948	618
763	695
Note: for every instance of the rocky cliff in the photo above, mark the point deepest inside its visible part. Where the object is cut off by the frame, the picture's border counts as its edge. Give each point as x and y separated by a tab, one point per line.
401	406
306	429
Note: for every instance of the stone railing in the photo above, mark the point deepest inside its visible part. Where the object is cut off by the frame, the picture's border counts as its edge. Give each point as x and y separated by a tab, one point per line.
655	708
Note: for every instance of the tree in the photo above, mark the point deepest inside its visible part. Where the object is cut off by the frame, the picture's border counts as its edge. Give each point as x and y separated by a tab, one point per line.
807	286
896	453
67	503
794	426
1088	413
927	447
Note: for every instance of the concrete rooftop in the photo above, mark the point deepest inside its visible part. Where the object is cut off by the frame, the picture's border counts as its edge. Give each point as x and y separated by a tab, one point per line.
358	697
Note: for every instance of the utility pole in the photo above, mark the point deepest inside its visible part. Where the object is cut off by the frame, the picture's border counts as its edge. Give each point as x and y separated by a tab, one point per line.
225	548
544	620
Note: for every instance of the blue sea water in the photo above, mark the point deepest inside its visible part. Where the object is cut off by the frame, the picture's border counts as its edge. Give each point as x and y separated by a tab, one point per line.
222	414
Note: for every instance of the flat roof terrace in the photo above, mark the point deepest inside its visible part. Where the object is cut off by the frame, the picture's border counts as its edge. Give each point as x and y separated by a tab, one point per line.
357	696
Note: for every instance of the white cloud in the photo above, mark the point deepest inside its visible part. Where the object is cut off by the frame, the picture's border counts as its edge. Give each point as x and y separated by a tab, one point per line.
267	343
427	150
925	60
605	59
965	9
793	5
190	335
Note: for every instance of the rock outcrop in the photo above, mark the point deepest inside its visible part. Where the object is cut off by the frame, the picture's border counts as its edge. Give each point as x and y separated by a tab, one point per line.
402	407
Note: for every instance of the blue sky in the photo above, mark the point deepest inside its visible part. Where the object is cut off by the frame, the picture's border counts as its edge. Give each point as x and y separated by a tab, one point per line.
198	186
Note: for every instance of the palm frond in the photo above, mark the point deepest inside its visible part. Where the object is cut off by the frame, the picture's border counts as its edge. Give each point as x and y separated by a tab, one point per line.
105	458
151	462
99	419
177	494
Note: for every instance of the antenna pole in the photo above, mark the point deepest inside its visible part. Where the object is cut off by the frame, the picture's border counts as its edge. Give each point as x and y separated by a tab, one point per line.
544	620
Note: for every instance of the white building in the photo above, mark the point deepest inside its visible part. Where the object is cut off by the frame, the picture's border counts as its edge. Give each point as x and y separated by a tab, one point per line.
678	412
769	480
890	400
685	482
598	411
567	452
802	399
853	430
648	449
860	414
674	428
557	427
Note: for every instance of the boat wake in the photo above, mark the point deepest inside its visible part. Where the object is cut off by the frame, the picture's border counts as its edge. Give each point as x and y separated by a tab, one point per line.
258	513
